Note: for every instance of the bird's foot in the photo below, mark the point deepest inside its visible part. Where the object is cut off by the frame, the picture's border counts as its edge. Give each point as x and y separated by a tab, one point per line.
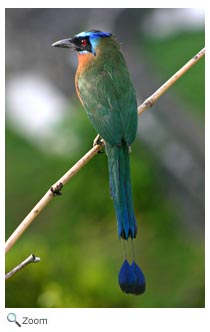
99	141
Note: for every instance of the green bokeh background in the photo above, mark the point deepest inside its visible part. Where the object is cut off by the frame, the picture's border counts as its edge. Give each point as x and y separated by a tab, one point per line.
76	234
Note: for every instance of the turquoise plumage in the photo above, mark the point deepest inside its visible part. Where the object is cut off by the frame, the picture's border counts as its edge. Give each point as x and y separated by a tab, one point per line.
105	89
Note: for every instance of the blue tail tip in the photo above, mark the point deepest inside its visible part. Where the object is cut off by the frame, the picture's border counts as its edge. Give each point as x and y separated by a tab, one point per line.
131	279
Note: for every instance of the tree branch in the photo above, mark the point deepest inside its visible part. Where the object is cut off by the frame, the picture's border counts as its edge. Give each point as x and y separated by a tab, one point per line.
149	102
31	259
55	189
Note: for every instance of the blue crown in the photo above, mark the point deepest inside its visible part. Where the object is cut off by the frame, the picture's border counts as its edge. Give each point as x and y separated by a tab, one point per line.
93	34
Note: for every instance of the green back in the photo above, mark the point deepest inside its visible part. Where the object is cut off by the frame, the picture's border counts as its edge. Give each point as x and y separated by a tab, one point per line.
108	95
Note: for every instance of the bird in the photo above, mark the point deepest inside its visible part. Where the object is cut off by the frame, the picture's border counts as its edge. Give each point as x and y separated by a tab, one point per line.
104	88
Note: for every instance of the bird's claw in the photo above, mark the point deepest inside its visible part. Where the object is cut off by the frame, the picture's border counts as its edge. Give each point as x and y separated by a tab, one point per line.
98	141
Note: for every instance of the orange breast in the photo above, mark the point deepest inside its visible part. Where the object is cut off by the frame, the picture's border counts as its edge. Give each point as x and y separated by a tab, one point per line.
84	60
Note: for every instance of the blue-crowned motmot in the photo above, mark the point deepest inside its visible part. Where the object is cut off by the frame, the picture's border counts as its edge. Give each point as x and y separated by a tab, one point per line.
104	88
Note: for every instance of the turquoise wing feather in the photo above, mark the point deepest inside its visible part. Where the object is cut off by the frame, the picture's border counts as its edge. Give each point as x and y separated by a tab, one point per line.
110	101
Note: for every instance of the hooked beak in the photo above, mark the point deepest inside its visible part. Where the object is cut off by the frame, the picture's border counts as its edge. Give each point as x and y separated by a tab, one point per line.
66	43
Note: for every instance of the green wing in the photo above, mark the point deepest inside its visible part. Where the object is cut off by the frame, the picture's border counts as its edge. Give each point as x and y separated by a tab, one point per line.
110	101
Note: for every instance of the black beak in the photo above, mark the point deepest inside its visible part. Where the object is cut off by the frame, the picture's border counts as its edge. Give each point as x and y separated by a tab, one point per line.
66	43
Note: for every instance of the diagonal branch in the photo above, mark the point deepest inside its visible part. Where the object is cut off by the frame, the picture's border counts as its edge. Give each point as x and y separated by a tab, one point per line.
158	93
55	189
30	259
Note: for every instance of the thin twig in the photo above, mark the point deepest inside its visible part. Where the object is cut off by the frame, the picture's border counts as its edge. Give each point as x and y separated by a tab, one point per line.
149	102
30	259
48	197
55	189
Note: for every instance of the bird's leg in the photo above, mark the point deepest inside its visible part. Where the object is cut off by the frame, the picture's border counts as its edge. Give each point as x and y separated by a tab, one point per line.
98	141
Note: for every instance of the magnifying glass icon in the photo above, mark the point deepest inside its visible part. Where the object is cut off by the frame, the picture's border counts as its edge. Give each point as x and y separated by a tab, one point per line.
12	318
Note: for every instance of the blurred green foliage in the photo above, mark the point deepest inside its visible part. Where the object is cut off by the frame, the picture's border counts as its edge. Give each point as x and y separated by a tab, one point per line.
170	55
76	235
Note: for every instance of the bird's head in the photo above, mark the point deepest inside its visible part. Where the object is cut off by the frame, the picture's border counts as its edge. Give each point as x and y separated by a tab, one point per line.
84	42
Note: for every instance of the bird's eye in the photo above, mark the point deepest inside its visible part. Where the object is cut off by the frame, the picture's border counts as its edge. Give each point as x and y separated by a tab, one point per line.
84	42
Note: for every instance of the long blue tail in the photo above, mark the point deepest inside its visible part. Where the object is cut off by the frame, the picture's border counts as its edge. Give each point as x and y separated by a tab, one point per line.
120	184
131	278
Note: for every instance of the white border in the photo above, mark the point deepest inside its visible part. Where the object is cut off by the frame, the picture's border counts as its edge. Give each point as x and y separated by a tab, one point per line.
104	319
